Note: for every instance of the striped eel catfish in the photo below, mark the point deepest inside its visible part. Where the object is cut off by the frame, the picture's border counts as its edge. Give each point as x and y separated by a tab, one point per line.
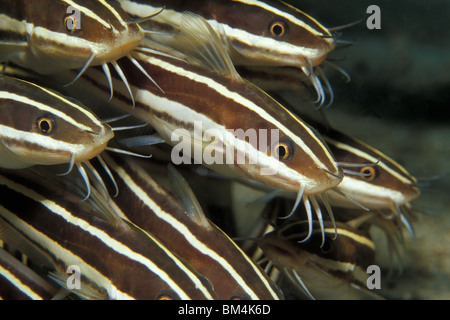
223	121
338	270
265	33
19	282
372	179
39	126
45	219
56	35
184	229
378	182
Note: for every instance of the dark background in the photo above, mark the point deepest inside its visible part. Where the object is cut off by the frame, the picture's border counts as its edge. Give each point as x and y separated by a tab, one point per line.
398	101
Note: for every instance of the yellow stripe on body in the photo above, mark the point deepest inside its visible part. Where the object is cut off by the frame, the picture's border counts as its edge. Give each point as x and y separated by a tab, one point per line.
359	239
187	234
371	159
19	284
115	245
43	107
236	97
285	15
89	12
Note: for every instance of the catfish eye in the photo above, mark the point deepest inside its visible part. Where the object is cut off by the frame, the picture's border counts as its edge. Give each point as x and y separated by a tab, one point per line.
278	29
368	173
283	150
45	125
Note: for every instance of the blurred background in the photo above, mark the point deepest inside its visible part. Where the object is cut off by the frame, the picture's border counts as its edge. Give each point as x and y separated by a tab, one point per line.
398	101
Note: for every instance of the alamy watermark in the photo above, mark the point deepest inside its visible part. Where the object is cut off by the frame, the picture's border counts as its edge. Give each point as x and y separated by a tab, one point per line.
73	282
374	20
374	280
230	147
72	21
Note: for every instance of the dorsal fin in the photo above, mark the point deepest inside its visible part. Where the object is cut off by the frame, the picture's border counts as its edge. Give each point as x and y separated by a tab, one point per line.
104	210
187	197
201	45
75	190
204	43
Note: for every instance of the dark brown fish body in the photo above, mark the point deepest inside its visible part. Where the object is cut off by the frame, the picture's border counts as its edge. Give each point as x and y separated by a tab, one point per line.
194	238
269	33
47	43
335	270
116	259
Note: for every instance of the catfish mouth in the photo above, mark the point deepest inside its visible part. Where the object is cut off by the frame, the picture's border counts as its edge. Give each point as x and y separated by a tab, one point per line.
311	186
320	55
120	50
412	193
317	61
405	196
90	153
99	142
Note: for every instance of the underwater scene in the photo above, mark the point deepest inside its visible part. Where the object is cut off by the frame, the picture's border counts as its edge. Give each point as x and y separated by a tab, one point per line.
224	150
396	101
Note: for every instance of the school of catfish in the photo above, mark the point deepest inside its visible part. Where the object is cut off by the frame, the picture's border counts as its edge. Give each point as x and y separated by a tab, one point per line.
192	106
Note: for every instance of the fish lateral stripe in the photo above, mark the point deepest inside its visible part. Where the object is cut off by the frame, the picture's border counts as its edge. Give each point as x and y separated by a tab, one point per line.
270	45
250	105
175	223
11	25
64	100
22	99
51	248
101	235
38	140
114	12
22	287
54	250
364	155
156	109
378	193
90	13
354	236
24	276
182	229
285	15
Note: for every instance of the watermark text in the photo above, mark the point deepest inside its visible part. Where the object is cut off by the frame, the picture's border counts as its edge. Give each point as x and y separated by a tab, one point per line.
374	20
231	147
